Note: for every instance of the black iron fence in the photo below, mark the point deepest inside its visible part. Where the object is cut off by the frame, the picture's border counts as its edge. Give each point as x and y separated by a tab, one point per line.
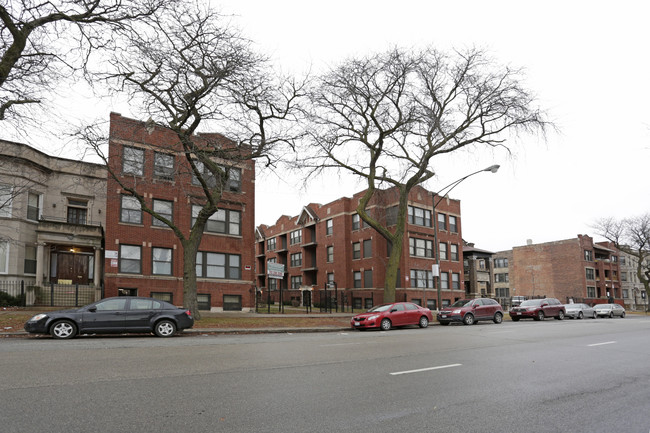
51	294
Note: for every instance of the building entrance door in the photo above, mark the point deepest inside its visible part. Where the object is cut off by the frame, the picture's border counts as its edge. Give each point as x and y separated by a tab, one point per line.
73	268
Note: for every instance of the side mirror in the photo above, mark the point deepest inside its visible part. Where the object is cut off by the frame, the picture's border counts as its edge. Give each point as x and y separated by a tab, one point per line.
393	310
92	309
545	304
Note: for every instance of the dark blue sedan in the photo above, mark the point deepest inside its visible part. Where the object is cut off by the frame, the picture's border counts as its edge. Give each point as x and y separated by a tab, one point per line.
122	314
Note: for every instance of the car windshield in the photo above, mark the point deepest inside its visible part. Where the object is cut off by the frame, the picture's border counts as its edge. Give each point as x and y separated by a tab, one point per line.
572	306
461	303
604	306
380	308
531	303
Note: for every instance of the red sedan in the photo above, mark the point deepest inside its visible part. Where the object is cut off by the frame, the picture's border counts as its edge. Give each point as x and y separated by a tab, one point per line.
387	316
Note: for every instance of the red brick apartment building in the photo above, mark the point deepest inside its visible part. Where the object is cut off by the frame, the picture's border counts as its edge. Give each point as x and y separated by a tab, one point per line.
330	245
143	256
578	269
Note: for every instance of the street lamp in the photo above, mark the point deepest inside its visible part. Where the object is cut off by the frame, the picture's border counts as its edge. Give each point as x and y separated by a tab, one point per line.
493	169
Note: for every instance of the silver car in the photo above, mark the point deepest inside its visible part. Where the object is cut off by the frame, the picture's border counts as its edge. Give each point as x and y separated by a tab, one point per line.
609	310
579	311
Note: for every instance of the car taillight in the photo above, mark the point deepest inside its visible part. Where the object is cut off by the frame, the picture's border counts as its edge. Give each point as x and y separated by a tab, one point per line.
188	312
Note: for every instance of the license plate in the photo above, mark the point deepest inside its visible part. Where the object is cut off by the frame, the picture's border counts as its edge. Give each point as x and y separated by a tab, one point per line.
444	316
517	314
357	323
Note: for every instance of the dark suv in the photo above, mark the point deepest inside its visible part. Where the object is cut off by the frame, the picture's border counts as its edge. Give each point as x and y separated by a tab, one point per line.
470	311
538	309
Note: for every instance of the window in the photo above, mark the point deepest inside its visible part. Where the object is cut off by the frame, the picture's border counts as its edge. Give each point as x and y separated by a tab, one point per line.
367	278
330	254
165	209
501	263
132	161
33	206
421	279
130	259
356	275
418	216
329	227
273	284
453	224
77	211
626	293
443	251
163	166
367	248
163	296
455	281
4	256
225	221
420	247
131	210
295	237
6	198
442	221
356	250
218	265
330	280
589	273
356	221
233	184
502	292
296	259
444	281
624	276
501	278
114	304
391	216
30	260
232	303
454	252
589	256
270	244
296	282
161	261
591	292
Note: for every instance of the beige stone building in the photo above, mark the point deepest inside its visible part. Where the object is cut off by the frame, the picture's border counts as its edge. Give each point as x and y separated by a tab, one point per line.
51	219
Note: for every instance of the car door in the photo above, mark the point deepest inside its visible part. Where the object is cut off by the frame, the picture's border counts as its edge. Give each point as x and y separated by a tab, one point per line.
104	316
398	315
412	314
478	309
140	313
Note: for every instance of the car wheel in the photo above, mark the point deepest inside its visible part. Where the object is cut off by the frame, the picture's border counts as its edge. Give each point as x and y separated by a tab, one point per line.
560	315
165	328
498	318
63	330
468	319
622	314
385	324
540	316
581	316
424	322
611	315
595	316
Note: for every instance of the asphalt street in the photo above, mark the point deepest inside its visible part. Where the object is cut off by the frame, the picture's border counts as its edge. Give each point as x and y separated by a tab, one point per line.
550	376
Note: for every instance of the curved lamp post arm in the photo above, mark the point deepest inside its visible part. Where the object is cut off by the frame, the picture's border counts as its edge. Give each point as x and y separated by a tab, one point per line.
493	169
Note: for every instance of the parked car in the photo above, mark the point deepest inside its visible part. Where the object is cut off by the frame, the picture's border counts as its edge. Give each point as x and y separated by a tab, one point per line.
470	311
579	311
538	309
387	316
609	310
122	314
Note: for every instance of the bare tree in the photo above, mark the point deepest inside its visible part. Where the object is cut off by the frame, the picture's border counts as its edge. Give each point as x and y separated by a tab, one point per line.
43	41
386	117
189	72
632	236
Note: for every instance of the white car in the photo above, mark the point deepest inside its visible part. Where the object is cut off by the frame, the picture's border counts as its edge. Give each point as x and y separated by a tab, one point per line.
579	311
609	310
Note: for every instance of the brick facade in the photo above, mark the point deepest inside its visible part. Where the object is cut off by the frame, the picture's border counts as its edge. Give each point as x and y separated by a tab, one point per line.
333	242
577	269
124	237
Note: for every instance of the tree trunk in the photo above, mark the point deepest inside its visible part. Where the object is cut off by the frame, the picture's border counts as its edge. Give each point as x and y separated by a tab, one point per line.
190	302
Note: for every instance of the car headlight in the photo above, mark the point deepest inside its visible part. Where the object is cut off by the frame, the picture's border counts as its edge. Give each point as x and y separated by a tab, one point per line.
373	317
38	317
455	312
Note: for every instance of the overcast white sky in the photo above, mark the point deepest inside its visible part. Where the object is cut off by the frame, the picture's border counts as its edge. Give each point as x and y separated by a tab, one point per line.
587	61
